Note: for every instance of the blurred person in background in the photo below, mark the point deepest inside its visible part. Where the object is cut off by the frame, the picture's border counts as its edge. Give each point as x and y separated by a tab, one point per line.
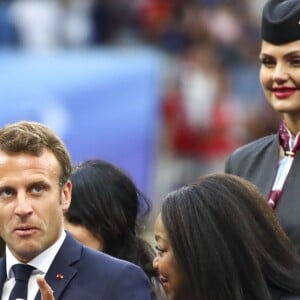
218	239
76	26
37	23
8	32
272	162
201	117
105	214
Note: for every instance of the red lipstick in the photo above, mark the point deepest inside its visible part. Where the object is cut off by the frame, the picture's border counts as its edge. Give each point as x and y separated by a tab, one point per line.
284	92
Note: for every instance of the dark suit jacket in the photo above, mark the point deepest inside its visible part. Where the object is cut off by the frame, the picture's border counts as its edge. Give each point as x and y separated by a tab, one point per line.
258	162
80	273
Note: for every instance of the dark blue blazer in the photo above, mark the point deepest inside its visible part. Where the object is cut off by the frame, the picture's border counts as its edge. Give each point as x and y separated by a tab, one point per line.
80	273
258	162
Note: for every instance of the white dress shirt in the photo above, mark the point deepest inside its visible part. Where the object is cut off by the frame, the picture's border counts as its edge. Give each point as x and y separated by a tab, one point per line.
41	262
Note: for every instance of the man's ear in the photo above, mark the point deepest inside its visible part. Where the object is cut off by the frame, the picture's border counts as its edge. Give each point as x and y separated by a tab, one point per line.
66	195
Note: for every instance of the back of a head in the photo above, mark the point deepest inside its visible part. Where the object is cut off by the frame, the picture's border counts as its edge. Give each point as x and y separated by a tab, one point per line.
281	21
106	202
103	199
32	138
226	238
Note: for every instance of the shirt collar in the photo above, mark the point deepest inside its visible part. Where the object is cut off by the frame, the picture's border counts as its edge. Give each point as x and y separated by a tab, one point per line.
293	140
41	262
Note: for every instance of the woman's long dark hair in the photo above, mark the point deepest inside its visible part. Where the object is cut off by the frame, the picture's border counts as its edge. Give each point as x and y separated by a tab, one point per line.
228	242
106	202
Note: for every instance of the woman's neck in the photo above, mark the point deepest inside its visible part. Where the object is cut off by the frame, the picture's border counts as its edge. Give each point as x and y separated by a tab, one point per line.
293	124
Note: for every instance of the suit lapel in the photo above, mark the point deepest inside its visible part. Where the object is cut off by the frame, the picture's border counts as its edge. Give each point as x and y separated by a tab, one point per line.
268	162
61	272
290	190
2	273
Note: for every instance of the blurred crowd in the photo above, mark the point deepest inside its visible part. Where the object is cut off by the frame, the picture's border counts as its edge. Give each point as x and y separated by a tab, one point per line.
211	100
173	25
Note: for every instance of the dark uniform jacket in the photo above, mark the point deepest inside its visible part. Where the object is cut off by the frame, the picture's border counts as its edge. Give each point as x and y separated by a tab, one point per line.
258	162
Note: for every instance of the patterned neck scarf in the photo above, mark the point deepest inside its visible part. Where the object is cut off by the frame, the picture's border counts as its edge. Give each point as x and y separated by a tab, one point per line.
286	140
290	146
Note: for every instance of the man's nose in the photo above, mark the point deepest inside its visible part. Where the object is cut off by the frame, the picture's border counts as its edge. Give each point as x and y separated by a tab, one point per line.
23	204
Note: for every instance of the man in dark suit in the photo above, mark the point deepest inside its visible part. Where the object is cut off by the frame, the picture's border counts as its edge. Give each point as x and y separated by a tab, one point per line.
35	191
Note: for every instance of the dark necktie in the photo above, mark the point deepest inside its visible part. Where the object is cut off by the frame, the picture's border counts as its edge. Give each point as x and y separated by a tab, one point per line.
22	273
284	141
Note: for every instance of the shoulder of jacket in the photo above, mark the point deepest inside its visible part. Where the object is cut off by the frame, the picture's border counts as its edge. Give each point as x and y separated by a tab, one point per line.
256	144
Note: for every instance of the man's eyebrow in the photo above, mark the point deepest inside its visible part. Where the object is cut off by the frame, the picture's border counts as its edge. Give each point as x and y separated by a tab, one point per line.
6	186
39	182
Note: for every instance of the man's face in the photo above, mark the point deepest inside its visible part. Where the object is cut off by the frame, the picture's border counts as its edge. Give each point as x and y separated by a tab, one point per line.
31	202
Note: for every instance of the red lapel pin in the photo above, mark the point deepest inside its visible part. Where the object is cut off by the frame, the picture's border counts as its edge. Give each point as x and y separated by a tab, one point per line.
59	276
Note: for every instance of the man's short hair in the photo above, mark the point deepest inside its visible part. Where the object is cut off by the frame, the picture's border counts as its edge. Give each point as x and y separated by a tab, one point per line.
32	138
